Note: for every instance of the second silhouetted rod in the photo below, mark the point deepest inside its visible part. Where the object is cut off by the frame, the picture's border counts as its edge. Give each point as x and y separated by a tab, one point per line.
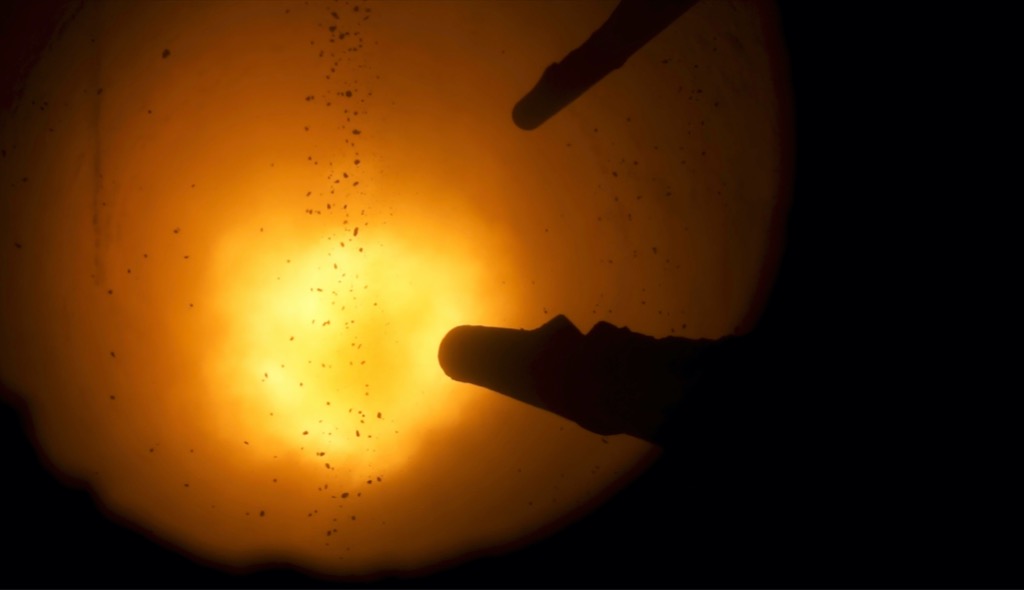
631	25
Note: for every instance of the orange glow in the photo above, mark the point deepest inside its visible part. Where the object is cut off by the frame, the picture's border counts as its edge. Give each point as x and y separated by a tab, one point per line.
234	235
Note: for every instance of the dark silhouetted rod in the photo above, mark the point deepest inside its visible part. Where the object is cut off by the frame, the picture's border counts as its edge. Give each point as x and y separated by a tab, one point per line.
631	25
609	381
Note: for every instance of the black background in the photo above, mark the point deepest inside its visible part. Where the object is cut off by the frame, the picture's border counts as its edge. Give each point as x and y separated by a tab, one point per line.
852	446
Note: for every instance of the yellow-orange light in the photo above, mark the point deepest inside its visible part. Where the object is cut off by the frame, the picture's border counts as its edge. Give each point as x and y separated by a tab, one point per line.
336	340
246	234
